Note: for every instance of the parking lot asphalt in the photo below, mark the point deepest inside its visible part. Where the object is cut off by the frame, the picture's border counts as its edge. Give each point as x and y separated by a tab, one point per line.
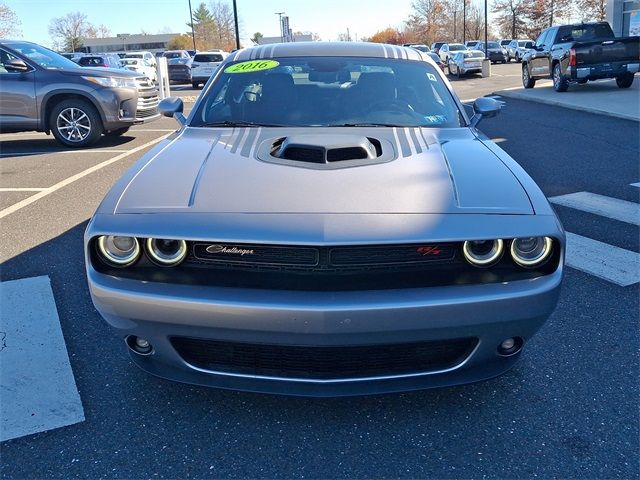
568	409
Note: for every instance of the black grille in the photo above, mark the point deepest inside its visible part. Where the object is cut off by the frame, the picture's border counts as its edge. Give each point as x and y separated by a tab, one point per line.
313	259
313	155
323	362
255	254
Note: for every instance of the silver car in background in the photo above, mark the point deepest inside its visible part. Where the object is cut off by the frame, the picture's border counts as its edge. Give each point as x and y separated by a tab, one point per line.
327	221
469	61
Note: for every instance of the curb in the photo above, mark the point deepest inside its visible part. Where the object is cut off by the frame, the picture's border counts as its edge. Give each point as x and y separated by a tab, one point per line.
559	103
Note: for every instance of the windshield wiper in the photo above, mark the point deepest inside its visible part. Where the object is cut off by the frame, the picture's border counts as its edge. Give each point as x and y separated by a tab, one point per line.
239	123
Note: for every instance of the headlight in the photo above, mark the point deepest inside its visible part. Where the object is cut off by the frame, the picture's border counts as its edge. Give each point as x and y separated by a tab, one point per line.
166	252
483	253
119	251
116	82
531	251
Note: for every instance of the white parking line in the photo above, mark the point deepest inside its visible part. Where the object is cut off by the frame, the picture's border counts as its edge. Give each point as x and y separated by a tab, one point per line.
605	261
23	189
614	208
44	152
36	381
635	184
34	198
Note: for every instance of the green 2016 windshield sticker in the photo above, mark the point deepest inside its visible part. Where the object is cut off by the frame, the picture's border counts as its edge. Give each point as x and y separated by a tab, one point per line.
252	66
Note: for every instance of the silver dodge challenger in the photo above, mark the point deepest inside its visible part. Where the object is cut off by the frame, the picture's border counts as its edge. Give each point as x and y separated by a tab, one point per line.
326	221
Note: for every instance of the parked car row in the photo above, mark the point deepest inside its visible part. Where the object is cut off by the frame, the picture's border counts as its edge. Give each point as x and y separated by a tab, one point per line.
180	63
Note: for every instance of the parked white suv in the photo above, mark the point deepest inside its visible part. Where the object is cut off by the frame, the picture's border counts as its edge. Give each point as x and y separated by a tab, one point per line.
142	66
148	56
204	64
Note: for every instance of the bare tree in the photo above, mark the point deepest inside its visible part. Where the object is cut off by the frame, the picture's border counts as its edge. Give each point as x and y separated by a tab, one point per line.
9	22
69	32
224	25
428	20
592	9
510	18
475	23
545	13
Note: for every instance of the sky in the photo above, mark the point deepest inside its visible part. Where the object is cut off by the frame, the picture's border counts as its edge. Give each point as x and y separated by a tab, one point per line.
328	18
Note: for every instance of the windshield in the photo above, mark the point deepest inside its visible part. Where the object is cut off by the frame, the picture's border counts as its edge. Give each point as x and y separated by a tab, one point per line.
454	47
473	55
525	44
43	56
493	45
173	54
131	61
328	91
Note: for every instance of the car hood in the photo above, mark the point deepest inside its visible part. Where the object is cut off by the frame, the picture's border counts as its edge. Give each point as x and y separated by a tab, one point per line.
206	170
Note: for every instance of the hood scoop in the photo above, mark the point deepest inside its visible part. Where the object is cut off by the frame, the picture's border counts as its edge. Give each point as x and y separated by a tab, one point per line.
326	151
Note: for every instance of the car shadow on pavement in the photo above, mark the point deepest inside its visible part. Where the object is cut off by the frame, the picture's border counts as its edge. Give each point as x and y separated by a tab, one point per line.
48	144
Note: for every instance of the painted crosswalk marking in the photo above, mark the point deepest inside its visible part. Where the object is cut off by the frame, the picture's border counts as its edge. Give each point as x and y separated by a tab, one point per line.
37	387
614	208
611	263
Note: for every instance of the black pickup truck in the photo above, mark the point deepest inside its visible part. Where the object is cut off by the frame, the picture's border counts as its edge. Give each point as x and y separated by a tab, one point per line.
579	53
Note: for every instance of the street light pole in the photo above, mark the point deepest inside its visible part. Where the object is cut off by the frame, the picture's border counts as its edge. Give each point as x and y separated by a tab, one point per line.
193	35
464	21
455	23
235	19
280	22
486	33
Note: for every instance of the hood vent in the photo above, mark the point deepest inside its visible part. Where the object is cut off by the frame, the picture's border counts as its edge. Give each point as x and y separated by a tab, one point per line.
324	149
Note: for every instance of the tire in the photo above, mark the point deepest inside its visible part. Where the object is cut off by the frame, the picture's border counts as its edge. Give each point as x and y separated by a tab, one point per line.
582	81
560	84
195	84
518	59
625	81
117	132
87	128
458	74
527	81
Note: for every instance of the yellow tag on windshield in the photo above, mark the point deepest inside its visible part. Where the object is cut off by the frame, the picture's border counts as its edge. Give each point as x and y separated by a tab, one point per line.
252	66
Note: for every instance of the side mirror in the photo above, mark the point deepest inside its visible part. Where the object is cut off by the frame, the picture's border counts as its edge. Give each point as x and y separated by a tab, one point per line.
16	65
172	107
484	107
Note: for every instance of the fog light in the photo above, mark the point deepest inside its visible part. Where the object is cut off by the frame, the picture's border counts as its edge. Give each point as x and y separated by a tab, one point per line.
138	345
510	346
506	345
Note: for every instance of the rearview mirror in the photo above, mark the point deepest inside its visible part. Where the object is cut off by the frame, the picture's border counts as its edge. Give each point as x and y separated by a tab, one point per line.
172	107
484	107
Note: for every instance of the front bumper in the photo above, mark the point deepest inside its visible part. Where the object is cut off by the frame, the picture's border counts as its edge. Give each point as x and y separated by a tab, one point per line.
490	313
497	57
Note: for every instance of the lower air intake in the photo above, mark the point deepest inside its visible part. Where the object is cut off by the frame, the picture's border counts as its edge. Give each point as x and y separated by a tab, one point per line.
323	362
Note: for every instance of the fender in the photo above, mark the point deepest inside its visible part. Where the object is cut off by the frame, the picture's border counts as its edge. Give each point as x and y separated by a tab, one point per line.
80	93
